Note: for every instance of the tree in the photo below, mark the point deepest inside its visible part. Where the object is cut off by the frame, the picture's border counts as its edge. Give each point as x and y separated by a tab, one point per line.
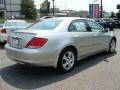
82	13
45	7
28	9
112	15
118	14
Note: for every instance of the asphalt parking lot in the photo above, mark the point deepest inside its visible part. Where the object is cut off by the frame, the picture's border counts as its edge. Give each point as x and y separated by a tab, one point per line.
99	72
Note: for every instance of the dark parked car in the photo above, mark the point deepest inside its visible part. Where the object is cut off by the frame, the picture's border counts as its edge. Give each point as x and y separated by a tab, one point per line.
116	23
101	22
110	23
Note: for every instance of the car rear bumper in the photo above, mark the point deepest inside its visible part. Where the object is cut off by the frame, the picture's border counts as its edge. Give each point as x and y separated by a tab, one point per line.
32	56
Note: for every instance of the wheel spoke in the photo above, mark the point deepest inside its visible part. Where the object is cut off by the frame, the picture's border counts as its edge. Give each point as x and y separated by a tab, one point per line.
65	57
65	65
70	55
112	46
71	61
71	64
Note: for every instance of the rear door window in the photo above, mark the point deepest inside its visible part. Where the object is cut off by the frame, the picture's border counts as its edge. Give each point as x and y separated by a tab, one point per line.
77	26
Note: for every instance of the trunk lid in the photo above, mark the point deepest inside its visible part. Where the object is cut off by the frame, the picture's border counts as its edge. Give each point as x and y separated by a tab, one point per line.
20	38
9	30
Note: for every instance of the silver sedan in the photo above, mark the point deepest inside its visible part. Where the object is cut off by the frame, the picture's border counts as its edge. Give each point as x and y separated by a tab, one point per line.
59	42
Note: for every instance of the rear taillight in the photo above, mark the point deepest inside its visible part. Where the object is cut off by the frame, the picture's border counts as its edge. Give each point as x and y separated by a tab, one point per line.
36	42
3	31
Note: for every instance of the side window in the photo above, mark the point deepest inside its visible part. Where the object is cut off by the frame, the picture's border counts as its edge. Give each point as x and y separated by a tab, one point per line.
94	27
71	28
78	26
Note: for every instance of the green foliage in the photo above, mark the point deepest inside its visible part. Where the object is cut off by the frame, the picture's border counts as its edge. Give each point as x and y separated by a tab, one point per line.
28	9
82	13
2	20
118	14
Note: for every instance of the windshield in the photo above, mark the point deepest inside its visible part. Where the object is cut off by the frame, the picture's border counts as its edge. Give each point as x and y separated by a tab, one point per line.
48	24
97	21
16	24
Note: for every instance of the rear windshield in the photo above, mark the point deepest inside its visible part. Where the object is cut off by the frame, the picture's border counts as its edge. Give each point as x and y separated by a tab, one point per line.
48	24
16	24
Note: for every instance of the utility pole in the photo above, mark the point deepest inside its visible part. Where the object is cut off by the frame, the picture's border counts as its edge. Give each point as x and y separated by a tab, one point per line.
5	9
101	9
53	7
10	9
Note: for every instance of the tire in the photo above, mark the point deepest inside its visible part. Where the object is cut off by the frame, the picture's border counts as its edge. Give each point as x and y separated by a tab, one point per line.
112	46
67	60
2	44
111	29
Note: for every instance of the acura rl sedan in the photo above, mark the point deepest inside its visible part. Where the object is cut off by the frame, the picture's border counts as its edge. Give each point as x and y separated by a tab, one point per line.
59	42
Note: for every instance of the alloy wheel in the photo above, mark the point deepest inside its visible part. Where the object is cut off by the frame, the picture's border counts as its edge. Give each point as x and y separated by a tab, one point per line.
68	60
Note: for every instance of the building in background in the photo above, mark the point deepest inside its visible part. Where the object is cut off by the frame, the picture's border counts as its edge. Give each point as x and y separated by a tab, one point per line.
2	9
9	8
64	13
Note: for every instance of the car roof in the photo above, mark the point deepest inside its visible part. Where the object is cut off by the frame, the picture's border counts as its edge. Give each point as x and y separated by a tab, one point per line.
71	18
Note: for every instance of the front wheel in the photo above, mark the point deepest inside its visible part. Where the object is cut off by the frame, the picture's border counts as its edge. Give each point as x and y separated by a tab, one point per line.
112	46
67	60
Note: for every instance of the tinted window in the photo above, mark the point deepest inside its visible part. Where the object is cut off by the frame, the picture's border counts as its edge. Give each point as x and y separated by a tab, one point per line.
48	24
94	27
78	26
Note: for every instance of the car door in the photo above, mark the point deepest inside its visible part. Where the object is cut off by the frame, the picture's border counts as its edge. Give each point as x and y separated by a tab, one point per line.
83	38
100	37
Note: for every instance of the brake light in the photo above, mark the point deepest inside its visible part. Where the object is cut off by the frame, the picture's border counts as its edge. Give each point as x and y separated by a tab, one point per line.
3	31
36	42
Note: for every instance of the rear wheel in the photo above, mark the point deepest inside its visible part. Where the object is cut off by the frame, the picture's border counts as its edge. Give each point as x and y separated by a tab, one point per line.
67	60
2	44
112	46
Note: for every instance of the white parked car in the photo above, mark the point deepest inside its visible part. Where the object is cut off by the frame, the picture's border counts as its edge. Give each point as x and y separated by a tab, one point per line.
59	42
45	17
10	26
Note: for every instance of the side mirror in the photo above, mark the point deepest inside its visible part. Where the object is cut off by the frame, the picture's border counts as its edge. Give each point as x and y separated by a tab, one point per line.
89	29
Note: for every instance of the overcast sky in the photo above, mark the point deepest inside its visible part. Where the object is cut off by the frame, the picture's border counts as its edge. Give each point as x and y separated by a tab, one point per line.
108	5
